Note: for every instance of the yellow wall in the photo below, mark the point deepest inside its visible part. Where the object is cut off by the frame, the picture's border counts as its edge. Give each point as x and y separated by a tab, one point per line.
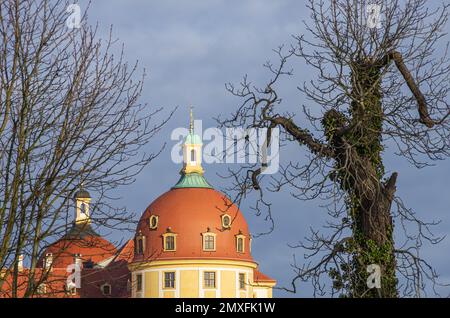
169	294
228	284
210	294
151	284
189	284
187	278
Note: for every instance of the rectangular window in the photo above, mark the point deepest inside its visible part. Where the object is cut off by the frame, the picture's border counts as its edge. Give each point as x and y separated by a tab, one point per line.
170	243
241	281
169	280
140	245
209	243
240	245
210	279
139	282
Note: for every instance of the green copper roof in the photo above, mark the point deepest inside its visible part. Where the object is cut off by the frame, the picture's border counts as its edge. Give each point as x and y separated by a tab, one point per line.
192	180
193	139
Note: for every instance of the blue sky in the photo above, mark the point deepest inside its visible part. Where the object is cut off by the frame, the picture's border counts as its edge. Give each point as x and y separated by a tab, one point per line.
190	49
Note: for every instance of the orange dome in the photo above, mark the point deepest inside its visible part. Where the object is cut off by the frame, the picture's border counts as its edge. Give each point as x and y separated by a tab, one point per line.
188	212
83	240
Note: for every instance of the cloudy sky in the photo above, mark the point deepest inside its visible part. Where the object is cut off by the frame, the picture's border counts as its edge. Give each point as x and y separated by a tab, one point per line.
190	49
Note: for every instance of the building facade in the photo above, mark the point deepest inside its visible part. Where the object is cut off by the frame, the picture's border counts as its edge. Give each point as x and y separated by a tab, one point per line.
191	242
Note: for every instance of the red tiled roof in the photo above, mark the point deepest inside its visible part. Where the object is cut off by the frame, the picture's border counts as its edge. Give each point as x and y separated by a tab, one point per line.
260	277
189	212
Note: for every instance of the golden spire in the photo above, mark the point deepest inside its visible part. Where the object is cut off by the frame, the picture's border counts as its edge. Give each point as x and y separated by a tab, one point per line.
192	150
191	121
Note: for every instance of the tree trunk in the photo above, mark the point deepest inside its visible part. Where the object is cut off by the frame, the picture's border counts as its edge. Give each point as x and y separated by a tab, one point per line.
359	171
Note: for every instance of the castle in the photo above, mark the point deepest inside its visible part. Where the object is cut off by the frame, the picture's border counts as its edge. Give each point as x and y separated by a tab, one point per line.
191	242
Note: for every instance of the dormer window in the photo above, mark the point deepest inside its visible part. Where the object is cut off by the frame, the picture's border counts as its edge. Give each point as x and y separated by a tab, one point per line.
140	244
240	240
153	221
209	241
71	289
106	289
41	289
78	260
169	242
48	260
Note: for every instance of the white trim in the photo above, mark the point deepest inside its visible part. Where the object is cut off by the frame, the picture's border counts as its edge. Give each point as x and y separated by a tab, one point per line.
238	291
201	291
143	285
160	284
177	283
218	291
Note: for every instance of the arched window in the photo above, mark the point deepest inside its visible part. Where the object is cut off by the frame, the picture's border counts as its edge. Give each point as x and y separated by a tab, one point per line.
48	260
240	246
83	208
193	159
140	244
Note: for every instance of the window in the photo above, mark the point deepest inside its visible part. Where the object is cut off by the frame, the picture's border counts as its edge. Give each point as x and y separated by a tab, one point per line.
139	282
48	260
106	289
209	241
140	244
41	289
169	241
153	222
240	239
241	281
71	288
78	260
83	208
210	279
72	291
192	155
226	221
240	245
169	280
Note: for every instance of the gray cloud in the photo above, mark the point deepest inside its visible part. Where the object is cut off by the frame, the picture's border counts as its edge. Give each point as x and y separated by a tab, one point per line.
190	49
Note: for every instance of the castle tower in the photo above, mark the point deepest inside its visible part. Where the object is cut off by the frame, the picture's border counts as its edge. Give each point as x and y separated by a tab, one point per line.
194	242
82	200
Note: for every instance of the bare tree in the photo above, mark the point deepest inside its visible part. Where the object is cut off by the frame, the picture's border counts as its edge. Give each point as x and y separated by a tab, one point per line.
70	115
372	87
